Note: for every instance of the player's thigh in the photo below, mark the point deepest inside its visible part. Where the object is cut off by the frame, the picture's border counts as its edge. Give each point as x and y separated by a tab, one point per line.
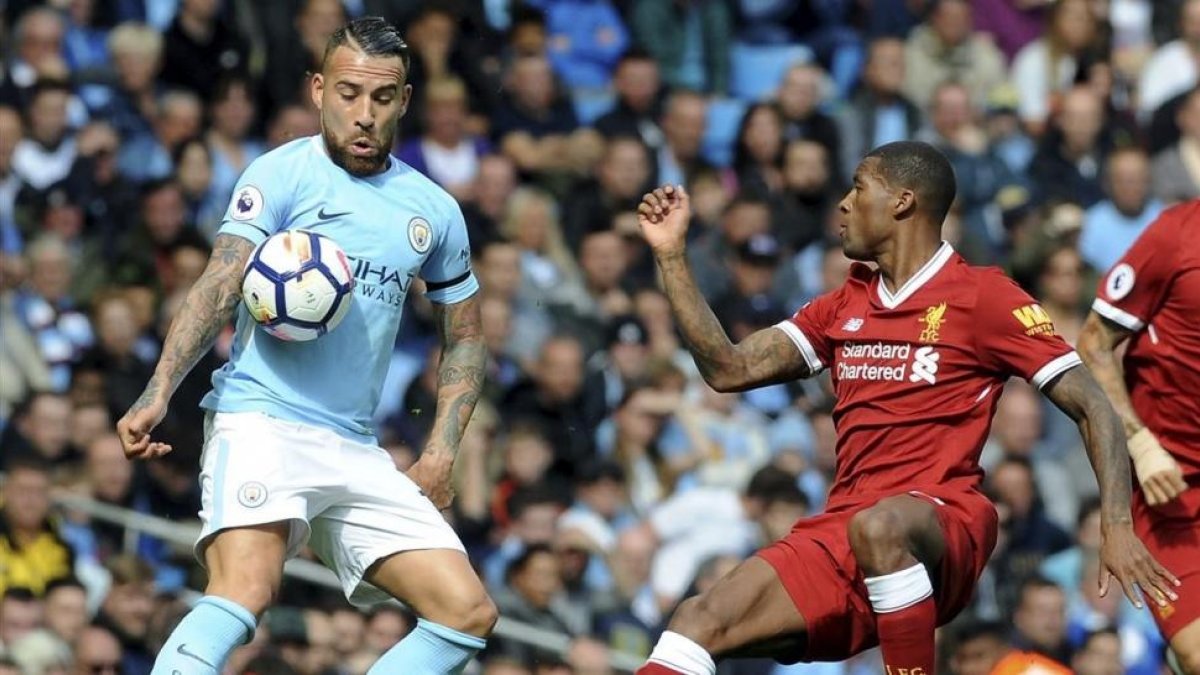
746	613
1186	645
909	522
245	564
439	585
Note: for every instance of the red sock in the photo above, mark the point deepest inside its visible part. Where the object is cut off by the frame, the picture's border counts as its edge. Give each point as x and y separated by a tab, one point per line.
652	668
906	639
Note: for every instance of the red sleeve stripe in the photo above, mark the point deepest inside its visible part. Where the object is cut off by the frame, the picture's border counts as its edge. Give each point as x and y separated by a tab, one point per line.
1117	315
801	341
1056	367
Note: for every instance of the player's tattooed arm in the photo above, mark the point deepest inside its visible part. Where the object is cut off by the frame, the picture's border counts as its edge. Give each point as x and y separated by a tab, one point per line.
765	357
1122	554
460	373
207	309
1076	393
1097	347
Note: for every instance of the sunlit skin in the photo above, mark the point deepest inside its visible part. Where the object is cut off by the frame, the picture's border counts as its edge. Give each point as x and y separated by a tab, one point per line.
361	99
868	213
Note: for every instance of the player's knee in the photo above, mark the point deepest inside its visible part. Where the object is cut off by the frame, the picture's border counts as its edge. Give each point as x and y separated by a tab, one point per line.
1189	658
876	536
255	595
473	614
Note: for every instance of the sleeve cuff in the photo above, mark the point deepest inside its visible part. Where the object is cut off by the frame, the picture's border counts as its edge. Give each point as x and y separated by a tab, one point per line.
1117	315
255	233
457	291
802	343
1056	367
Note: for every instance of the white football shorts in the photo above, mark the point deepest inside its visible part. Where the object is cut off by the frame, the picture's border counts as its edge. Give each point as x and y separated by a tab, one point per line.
343	498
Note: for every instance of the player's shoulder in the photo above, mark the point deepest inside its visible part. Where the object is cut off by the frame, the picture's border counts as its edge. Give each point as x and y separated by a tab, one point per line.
284	164
1175	222
425	191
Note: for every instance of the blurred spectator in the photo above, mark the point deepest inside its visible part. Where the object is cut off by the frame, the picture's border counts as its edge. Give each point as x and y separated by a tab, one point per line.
446	152
1062	291
136	52
801	94
232	111
1175	171
386	625
684	123
41	653
555	400
603	295
41	431
621	178
1138	642
438	51
534	124
9	667
193	162
503	370
11	130
126	609
300	51
946	48
1111	226
290	122
147	157
37	55
20	614
715	441
628	614
32	554
500	276
690	40
624	360
758	150
981	173
97	652
66	612
809	194
585	40
1030	537
1048	66
1172	70
746	216
548	270
1040	620
85	45
878	112
22	370
495	181
1099	654
532	593
201	47
752	270
637	108
1067	166
46	154
115	351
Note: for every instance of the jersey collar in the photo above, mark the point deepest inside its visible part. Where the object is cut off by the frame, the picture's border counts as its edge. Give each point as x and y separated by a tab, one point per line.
928	271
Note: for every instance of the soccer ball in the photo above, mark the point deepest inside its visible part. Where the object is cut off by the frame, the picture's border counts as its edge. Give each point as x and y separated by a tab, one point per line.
297	285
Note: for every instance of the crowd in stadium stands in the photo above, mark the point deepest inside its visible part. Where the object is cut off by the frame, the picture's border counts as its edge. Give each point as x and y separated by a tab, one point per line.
600	480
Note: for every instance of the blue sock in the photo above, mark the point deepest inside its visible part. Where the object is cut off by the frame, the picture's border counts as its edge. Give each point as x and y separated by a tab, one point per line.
430	649
201	642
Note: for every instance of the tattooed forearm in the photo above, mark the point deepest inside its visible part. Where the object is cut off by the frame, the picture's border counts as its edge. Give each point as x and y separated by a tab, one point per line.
1097	345
207	309
1076	393
765	357
460	373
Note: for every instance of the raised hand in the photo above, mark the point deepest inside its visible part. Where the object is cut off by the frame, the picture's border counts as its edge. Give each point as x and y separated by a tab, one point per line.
663	216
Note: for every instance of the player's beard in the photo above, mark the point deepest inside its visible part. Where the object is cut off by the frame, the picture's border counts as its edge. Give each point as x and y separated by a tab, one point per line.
359	165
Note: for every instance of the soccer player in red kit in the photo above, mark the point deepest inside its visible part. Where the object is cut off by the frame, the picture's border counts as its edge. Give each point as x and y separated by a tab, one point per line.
1151	299
918	349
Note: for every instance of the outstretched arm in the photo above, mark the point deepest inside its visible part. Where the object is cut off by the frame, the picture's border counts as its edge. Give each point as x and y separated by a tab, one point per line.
765	357
208	308
1076	393
1158	472
460	381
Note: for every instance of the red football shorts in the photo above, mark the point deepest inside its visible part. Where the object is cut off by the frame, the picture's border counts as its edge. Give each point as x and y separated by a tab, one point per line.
1171	533
817	567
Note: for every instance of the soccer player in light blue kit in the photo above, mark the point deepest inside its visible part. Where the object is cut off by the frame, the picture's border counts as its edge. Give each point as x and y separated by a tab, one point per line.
289	455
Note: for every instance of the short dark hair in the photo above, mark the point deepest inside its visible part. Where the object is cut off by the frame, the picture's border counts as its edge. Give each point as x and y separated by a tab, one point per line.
19	594
1034	582
371	35
522	561
921	168
974	630
64	582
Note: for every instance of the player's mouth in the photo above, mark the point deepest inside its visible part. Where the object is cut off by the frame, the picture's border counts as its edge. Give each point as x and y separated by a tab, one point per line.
362	148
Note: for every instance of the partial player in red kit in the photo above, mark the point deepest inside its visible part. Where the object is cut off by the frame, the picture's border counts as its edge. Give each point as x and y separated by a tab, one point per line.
918	351
1151	299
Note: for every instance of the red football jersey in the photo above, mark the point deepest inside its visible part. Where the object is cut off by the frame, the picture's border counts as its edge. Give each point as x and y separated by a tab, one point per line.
918	373
1154	291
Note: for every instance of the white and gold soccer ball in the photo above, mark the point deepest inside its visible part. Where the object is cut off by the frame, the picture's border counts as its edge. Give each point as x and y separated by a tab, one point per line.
297	285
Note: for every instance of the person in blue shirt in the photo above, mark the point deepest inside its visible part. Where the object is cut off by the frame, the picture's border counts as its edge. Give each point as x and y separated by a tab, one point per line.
290	456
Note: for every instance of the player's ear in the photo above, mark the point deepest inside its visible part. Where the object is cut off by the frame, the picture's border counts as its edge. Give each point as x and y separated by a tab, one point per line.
316	87
905	202
405	98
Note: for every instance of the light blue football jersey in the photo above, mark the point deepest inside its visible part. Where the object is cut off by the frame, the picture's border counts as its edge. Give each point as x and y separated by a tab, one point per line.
393	226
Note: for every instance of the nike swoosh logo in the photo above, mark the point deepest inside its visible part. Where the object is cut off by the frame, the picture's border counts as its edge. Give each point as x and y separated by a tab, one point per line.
184	652
326	216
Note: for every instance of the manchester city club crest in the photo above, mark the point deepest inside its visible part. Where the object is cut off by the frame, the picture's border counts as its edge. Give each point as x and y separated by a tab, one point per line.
420	235
247	203
252	494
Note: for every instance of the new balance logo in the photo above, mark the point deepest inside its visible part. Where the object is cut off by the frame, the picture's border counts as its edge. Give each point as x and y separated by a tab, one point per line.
852	325
925	365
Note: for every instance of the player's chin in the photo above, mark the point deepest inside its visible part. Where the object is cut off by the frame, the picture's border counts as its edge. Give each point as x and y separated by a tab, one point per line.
362	165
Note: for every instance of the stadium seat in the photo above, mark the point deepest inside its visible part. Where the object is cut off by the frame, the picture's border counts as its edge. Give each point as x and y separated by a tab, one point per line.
724	115
755	70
